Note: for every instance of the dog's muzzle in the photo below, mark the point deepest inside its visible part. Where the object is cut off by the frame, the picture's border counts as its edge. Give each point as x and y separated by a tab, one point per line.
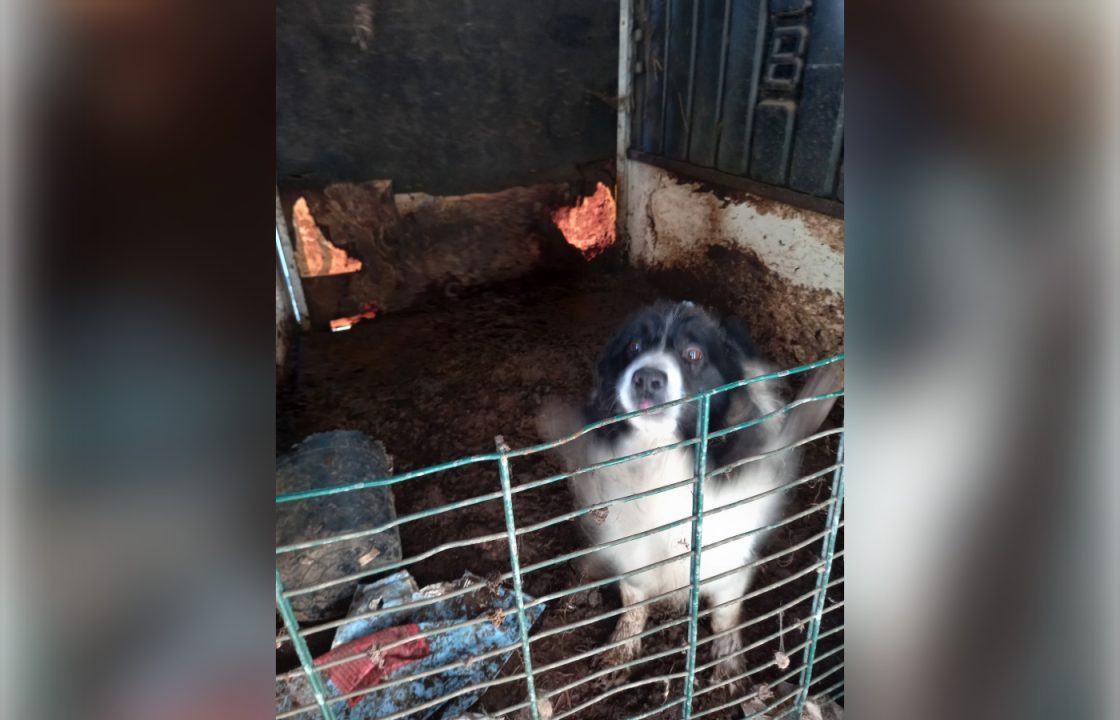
649	385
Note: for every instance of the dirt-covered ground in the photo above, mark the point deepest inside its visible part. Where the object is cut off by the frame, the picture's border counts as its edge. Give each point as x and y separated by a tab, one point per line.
440	382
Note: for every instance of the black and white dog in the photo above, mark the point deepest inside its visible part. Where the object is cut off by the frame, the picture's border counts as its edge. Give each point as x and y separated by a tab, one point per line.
664	353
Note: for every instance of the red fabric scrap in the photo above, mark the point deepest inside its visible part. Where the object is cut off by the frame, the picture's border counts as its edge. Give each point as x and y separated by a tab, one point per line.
374	665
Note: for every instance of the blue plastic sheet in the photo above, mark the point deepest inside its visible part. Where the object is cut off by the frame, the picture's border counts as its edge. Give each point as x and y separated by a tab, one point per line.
499	630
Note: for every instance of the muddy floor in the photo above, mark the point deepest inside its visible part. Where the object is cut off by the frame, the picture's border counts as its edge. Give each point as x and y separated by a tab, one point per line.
441	381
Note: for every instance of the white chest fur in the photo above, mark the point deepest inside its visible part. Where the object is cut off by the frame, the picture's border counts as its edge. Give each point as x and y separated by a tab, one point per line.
673	506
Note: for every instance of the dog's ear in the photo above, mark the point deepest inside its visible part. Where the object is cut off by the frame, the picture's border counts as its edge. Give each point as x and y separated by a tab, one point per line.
737	336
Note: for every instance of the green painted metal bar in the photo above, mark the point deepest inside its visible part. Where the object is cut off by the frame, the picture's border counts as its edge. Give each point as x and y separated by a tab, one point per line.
619	668
657	710
548	480
827	549
411	605
602	505
702	421
774	413
382	482
515	566
390	567
614	691
304	654
391	524
754	458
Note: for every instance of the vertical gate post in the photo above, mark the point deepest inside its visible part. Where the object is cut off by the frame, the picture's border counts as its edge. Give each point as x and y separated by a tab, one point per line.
515	567
304	654
697	535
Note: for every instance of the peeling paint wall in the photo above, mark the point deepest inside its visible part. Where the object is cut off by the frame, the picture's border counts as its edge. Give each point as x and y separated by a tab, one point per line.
780	267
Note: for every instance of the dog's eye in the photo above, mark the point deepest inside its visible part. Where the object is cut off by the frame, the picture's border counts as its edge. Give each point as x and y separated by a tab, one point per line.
693	354
634	347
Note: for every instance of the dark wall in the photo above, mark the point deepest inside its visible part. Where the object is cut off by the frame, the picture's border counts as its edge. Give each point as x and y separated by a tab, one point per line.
763	101
444	96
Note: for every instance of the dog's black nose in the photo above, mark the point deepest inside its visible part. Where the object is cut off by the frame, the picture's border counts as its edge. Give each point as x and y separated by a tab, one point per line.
649	379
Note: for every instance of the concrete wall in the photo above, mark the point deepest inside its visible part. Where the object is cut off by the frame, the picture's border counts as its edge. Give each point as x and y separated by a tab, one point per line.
779	267
442	97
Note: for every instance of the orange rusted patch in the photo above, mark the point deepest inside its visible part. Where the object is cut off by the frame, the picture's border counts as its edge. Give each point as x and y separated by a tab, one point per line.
345	323
590	225
315	255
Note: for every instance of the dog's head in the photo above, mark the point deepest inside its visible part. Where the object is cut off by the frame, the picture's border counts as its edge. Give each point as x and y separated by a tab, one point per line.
664	353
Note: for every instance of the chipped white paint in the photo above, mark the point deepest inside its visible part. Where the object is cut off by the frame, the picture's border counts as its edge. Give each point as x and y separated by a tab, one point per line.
669	220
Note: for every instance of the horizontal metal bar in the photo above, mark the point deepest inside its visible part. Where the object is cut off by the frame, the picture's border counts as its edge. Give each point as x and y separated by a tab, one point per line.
773	526
534	484
608	671
605	504
664	595
655	711
763	418
830	671
416	708
615	691
832	688
763	713
675	558
389	567
800	646
450	507
383	482
299	711
742	651
667	526
738	463
744	698
415	676
669	704
396	608
758	618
